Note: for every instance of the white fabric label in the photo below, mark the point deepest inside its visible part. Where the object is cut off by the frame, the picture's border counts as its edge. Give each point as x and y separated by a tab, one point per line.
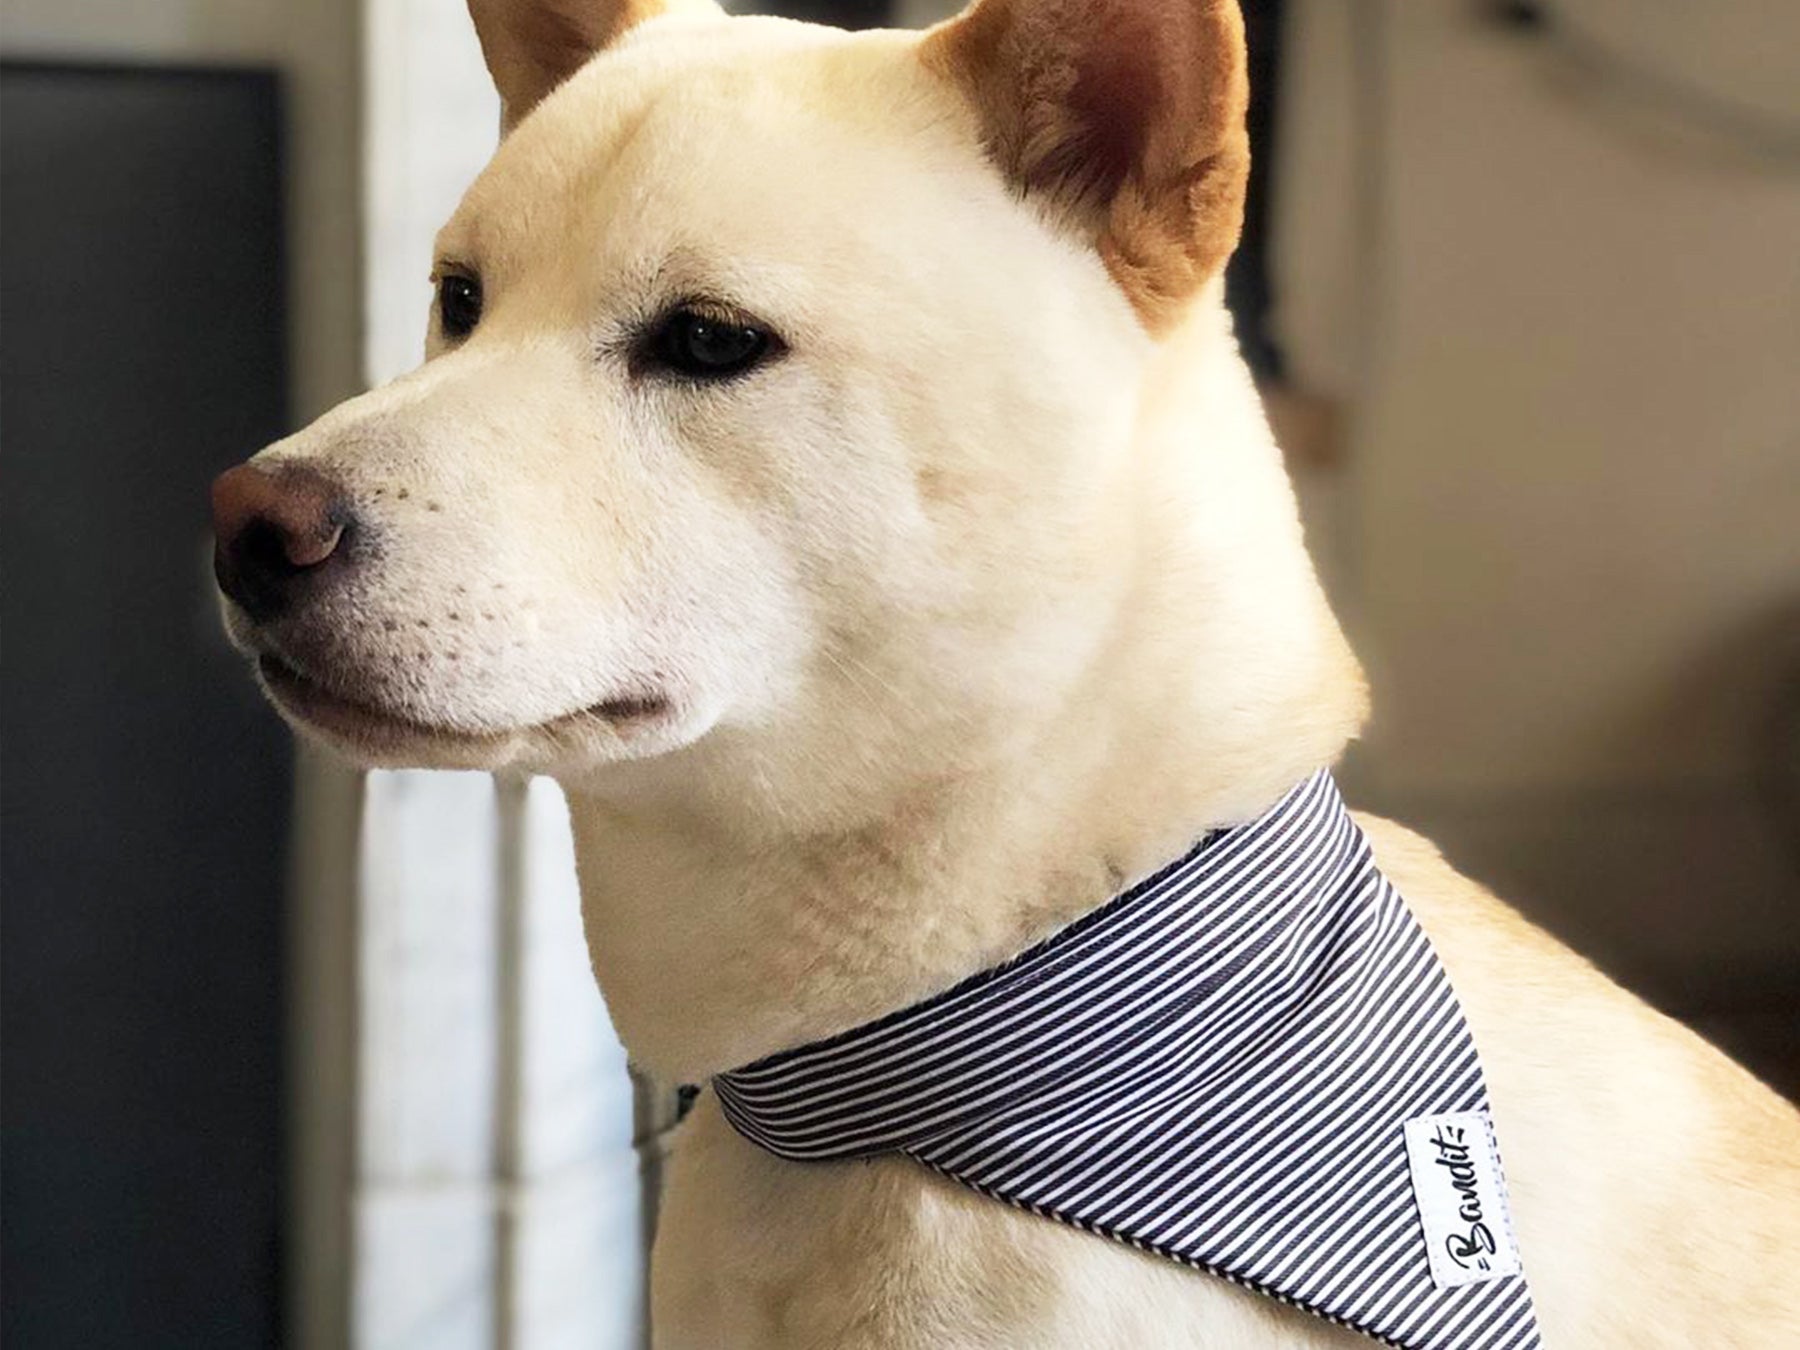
1462	1198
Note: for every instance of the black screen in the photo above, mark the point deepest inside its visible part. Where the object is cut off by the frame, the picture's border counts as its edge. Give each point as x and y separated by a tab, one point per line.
143	793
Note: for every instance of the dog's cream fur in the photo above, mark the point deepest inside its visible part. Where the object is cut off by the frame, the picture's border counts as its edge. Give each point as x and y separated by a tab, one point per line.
983	599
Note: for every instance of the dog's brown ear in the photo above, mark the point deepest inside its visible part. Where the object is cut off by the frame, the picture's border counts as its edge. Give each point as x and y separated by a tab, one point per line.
1127	116
531	46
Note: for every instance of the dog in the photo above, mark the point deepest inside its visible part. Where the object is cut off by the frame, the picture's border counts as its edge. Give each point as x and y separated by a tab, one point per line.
833	464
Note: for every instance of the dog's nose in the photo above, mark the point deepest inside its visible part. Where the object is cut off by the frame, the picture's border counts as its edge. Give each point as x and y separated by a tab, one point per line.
274	534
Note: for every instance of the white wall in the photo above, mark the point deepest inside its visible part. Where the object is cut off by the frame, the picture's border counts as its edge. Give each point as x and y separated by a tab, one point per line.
497	1189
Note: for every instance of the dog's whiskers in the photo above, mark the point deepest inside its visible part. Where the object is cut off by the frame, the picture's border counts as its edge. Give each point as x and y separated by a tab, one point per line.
848	665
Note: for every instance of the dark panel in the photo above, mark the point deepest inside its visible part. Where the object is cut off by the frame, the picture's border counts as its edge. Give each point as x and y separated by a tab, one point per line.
851	14
1249	289
143	803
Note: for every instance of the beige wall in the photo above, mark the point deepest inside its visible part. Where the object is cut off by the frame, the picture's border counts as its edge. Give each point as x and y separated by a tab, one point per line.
1568	529
1579	475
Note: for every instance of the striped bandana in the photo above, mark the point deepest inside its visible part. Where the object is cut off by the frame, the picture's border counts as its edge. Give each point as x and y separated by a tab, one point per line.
1252	1063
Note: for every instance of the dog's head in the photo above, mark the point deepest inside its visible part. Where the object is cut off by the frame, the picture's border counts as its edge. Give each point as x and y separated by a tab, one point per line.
780	389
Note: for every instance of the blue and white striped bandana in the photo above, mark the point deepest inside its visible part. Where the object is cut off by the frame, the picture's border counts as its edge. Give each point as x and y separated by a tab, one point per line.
1252	1063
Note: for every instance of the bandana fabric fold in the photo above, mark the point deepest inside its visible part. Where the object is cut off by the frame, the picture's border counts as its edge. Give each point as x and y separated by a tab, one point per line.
1251	1062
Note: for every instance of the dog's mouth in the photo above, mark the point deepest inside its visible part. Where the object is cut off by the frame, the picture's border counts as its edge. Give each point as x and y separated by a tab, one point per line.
393	736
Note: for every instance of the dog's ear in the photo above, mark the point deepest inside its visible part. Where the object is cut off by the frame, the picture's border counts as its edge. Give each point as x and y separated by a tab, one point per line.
531	46
1126	117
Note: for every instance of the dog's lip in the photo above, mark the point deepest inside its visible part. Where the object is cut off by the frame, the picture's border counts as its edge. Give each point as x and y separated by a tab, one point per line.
312	702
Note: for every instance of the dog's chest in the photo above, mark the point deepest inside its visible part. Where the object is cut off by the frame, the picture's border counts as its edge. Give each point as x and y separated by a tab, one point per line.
754	1253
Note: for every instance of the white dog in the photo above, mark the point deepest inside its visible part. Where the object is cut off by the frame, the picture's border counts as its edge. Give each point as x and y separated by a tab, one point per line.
833	464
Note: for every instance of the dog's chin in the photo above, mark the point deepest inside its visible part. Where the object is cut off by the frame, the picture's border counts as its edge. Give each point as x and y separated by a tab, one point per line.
637	726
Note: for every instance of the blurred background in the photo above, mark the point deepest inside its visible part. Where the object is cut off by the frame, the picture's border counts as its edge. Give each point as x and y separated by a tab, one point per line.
294	1057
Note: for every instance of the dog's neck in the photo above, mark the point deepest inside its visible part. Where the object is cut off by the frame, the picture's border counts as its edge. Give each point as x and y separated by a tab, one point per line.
719	936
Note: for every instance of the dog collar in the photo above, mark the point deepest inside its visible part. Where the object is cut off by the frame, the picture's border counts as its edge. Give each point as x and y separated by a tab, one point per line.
1252	1063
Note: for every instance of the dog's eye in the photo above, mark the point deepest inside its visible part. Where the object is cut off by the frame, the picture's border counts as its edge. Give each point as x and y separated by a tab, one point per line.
459	304
706	347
